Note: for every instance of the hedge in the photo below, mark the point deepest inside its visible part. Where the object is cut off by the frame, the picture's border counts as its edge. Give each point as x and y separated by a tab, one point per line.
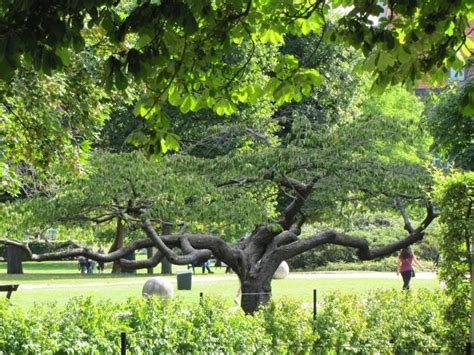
383	322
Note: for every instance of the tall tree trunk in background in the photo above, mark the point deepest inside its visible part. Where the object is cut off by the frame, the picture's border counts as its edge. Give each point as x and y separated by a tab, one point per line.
130	256
166	268
118	243
15	258
149	254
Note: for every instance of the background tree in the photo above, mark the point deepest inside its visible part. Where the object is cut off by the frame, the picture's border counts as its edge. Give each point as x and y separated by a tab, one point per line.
452	130
320	171
48	123
454	198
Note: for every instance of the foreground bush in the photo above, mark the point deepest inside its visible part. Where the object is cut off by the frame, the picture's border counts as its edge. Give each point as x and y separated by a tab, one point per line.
381	322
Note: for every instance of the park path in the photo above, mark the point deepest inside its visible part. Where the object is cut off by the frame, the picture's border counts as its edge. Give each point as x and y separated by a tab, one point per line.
198	278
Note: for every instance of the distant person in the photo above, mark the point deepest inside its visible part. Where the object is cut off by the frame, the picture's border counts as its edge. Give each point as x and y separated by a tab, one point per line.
193	265
405	266
90	266
206	266
437	260
100	264
82	264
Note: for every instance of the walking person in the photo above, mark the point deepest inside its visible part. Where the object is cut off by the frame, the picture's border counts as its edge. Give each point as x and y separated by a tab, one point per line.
82	264
405	266
90	266
101	264
206	266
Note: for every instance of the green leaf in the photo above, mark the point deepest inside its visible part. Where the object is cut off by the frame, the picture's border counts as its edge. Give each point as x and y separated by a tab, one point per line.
78	43
107	22
6	71
120	80
190	24
272	36
174	95
172	141
314	76
64	54
189	104
224	107
385	60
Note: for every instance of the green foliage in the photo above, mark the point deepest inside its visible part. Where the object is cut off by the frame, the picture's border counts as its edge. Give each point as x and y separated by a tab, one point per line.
357	152
195	34
289	327
454	197
452	128
184	50
47	124
174	189
385	322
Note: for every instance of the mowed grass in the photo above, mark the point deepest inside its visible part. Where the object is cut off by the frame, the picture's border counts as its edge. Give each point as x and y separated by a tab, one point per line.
57	282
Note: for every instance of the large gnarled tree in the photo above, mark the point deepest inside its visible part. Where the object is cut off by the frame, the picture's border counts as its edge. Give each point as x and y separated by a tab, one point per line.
254	258
277	189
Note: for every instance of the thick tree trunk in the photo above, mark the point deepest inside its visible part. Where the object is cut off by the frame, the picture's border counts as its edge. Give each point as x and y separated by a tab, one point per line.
149	254
15	258
130	256
118	243
254	294
166	267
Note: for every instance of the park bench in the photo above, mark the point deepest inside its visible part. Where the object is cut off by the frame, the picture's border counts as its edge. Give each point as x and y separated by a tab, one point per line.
8	289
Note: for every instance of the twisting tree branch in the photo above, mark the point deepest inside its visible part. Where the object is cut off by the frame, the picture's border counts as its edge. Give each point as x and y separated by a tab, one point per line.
302	192
364	252
141	264
408	227
80	251
191	253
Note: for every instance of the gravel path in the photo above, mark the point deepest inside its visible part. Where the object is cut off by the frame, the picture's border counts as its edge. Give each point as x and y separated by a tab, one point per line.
197	278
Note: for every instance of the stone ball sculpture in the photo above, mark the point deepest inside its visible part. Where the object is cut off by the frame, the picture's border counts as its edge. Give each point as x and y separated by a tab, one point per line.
282	271
158	286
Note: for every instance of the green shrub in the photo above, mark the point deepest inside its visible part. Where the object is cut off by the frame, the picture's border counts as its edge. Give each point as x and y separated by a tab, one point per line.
383	322
289	327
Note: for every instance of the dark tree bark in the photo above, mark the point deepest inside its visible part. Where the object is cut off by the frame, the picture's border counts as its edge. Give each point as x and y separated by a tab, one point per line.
149	255
15	257
118	243
166	266
125	269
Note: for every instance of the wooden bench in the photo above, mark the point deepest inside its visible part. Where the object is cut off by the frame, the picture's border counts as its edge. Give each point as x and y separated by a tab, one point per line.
8	289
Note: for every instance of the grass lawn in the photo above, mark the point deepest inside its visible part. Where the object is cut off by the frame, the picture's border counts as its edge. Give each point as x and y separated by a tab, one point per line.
58	281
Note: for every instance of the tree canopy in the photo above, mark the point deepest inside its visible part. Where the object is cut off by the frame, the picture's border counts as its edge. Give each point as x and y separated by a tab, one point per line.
209	56
182	50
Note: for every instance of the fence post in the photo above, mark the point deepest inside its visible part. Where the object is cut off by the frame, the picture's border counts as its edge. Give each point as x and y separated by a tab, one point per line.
201	296
315	303
123	343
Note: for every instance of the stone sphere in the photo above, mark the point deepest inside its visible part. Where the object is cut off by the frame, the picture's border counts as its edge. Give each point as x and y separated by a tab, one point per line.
282	271
158	286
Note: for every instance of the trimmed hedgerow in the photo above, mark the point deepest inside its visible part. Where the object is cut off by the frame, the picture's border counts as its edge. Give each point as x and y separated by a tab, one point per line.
382	322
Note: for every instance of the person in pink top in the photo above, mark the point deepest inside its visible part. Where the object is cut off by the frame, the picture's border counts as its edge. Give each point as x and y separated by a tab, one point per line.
405	266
